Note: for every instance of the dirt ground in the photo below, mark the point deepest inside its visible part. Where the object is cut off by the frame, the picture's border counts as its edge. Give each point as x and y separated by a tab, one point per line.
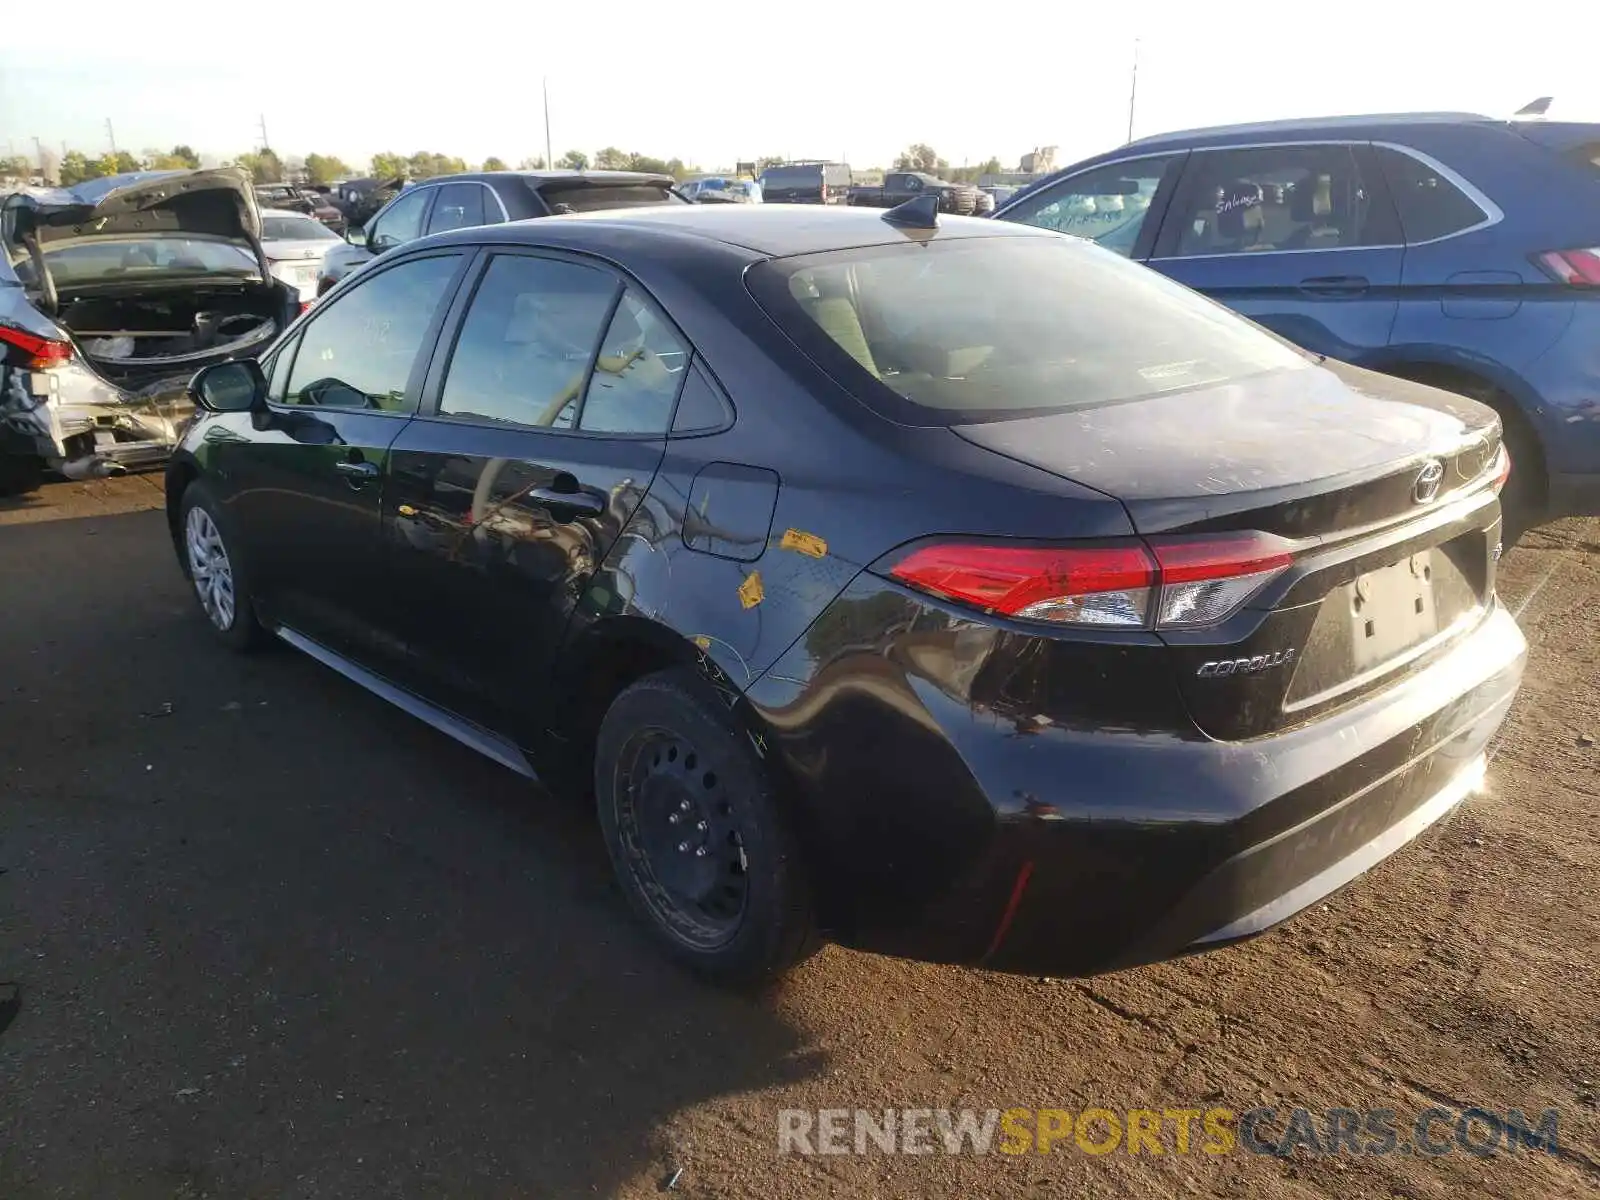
271	938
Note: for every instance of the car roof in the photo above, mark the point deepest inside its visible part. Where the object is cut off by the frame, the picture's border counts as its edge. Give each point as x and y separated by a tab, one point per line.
780	231
771	231
284	212
1345	125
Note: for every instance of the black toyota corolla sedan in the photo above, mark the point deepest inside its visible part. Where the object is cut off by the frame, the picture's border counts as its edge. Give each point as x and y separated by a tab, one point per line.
939	587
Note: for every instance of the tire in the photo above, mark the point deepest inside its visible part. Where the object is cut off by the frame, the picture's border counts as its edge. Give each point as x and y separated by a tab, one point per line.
220	579
20	474
696	836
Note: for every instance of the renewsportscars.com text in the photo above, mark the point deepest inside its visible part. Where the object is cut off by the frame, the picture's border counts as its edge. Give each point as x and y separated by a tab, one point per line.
1179	1130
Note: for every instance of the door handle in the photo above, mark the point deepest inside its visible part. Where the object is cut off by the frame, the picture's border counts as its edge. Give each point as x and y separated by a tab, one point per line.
356	469
1335	285
579	503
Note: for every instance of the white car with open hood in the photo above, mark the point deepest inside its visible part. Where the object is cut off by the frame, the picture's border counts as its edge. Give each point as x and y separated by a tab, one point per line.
113	293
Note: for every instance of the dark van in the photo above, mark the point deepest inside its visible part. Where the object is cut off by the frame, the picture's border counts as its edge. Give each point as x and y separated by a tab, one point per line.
806	183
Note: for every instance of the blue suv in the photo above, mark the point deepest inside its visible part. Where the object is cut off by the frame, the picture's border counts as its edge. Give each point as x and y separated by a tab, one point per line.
1452	249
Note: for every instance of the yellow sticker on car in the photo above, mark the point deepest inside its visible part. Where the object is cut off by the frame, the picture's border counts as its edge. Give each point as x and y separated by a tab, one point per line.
750	592
808	544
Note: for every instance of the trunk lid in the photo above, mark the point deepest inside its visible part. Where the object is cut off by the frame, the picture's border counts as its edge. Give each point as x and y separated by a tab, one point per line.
1307	453
1383	486
218	203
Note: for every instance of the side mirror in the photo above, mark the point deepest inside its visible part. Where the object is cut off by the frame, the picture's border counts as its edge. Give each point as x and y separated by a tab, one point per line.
356	236
234	386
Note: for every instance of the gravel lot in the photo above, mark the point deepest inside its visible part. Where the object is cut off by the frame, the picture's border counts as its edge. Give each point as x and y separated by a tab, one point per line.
272	938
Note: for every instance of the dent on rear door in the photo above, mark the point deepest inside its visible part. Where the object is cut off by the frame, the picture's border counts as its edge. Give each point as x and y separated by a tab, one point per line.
725	553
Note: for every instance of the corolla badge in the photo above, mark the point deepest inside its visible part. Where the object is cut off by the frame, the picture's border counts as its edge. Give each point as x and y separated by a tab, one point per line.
1245	666
1428	480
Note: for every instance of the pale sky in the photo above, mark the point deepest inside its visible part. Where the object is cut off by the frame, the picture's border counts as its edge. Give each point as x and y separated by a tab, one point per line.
714	81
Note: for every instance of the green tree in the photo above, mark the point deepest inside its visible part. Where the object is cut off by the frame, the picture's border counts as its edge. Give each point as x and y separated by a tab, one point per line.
531	164
189	157
264	167
16	166
425	164
921	157
119	163
574	160
612	159
157	160
388	165
325	168
495	164
77	166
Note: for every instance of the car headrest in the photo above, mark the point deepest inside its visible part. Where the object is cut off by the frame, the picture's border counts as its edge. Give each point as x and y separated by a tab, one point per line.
1239	210
1312	199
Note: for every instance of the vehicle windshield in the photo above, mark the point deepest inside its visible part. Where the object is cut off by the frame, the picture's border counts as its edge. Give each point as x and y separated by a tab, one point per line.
139	258
943	331
295	229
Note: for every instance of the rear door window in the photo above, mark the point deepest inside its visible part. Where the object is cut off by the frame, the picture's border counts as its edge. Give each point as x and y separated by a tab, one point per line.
1430	205
1272	198
637	374
1108	205
458	206
526	344
358	349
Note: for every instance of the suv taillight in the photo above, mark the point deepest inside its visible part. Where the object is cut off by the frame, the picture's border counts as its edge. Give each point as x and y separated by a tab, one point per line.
1161	583
37	353
1576	268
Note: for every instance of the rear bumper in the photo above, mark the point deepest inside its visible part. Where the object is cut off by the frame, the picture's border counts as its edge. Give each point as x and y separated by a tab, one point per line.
1103	848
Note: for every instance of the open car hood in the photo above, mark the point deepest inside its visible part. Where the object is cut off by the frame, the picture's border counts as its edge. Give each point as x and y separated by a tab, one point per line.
217	203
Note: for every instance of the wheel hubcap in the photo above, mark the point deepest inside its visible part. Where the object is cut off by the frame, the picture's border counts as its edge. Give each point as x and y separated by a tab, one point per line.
683	841
210	569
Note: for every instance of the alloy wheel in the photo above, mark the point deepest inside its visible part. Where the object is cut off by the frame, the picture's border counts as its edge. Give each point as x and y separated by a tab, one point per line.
210	568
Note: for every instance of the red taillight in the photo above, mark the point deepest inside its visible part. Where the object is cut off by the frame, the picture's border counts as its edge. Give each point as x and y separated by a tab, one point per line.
1088	585
39	354
1171	583
1576	268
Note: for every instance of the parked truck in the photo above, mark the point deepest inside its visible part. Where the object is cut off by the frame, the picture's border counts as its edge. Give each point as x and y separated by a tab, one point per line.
900	186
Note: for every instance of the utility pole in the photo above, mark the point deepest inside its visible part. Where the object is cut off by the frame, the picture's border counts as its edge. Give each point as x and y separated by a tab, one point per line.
265	144
112	135
1133	91
39	146
549	154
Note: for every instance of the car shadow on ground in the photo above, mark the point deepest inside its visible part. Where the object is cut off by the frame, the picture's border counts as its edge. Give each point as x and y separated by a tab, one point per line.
274	937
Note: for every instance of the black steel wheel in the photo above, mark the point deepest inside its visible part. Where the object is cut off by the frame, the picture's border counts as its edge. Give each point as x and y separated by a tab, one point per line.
682	841
695	834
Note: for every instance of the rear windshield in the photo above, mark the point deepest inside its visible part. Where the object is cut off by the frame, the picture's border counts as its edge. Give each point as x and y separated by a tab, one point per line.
782	177
596	197
948	331
145	258
295	229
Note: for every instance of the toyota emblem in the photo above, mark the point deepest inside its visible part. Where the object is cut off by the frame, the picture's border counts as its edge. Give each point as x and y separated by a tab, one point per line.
1427	485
